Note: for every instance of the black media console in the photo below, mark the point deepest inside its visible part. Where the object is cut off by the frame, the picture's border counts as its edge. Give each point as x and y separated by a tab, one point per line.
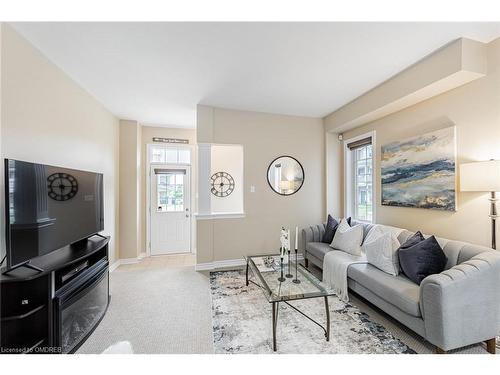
54	311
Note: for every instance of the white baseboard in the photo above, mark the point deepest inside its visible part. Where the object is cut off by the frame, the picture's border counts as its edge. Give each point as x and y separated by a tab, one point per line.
117	263
129	260
114	265
220	215
226	263
219	264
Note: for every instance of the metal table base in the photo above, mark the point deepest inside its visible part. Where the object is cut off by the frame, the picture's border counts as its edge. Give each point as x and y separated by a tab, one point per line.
275	307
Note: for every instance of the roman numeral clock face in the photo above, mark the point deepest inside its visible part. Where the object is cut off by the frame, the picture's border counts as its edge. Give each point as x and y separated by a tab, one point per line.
222	184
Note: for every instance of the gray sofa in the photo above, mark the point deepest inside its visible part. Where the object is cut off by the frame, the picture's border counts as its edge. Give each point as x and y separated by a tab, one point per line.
453	309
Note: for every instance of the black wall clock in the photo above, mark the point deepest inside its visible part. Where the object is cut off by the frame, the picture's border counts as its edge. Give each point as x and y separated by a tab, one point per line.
222	184
62	186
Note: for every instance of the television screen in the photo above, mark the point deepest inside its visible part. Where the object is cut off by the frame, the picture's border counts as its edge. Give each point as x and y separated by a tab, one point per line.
49	207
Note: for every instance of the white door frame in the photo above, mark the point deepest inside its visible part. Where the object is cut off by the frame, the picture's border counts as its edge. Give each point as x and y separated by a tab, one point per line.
148	193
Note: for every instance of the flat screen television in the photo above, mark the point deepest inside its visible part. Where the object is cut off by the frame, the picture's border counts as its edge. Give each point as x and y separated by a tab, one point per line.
49	207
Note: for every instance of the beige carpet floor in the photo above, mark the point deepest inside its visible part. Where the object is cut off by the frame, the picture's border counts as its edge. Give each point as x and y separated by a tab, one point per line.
162	305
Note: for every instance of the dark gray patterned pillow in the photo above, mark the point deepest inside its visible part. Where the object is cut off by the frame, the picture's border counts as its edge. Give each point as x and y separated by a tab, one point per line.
331	228
422	259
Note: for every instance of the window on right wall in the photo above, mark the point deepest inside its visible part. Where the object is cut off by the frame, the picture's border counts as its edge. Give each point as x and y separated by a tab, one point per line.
359	178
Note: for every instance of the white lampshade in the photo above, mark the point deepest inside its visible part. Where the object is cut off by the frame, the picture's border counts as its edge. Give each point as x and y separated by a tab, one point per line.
480	176
285	185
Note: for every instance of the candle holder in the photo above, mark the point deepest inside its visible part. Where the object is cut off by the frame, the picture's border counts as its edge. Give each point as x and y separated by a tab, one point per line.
289	275
296	280
282	254
281	278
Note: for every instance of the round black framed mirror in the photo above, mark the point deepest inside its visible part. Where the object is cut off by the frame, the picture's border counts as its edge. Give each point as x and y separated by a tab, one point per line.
285	175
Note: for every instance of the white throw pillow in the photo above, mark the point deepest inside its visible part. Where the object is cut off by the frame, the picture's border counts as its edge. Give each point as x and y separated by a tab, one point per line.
381	247
348	238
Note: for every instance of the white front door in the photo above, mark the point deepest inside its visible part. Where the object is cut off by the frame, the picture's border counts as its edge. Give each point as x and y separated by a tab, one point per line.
170	209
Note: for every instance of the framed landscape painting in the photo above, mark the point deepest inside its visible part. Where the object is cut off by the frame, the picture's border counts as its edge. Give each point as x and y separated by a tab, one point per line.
420	172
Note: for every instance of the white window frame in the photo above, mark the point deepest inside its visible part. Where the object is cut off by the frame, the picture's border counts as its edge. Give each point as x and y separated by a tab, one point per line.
349	187
186	178
166	147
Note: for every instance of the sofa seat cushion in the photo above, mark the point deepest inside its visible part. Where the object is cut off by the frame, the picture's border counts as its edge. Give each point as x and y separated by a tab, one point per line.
318	249
397	290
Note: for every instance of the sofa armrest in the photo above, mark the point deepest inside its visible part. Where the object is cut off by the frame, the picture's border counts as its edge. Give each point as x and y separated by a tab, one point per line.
314	233
461	306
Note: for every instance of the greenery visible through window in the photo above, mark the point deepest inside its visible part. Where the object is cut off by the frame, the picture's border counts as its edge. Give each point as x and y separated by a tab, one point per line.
170	192
363	183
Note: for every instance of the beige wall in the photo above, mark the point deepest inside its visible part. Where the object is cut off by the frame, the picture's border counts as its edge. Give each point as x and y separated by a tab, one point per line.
46	117
130	188
264	137
475	110
148	132
451	66
334	171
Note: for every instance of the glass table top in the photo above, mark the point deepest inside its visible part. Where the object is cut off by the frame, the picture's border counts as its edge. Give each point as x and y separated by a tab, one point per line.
266	276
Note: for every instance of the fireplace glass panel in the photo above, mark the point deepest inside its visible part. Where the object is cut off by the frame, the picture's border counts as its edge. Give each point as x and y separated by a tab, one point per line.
80	316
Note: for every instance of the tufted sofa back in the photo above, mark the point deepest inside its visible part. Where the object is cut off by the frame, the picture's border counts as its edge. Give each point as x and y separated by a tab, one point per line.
456	251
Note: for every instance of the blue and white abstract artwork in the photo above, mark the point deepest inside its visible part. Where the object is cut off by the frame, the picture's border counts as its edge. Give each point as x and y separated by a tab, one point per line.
420	172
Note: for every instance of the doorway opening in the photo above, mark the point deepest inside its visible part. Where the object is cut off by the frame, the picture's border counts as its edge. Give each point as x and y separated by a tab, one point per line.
169	223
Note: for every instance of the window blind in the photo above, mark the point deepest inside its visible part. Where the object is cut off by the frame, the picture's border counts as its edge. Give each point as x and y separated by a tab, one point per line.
169	171
359	143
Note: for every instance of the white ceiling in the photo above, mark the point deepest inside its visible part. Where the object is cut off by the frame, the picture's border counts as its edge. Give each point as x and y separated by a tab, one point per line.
157	73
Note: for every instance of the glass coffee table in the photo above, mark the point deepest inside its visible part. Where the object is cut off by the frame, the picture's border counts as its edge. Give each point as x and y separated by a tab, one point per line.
268	276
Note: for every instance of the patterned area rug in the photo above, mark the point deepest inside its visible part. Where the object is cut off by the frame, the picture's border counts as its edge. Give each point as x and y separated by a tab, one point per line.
242	323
